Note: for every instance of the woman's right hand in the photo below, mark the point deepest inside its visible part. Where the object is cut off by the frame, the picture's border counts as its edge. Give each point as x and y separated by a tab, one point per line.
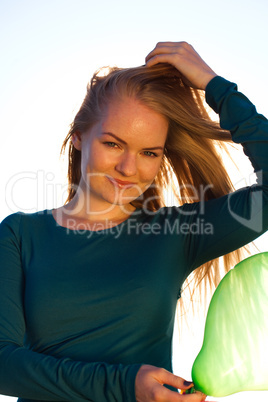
185	59
149	386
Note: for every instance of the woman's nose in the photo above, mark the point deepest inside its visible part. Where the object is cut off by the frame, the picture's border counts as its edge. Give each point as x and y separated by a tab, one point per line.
127	165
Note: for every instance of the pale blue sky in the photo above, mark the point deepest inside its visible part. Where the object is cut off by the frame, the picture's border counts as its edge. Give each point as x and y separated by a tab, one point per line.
49	49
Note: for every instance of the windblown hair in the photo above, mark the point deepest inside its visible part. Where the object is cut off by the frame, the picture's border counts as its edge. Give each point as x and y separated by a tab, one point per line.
191	153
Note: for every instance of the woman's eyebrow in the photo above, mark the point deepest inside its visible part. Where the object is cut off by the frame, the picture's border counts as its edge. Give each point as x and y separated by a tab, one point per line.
115	136
125	143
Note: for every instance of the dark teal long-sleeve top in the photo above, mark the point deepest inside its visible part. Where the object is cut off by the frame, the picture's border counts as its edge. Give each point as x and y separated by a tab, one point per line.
80	311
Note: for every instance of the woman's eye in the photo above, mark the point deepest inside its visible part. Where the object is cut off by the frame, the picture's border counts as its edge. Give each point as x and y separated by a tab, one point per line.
149	153
110	144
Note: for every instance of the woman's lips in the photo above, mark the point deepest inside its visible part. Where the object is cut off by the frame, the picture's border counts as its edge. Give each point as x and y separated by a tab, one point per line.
120	183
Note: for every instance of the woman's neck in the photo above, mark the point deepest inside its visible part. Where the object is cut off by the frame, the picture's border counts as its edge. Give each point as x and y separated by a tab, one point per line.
85	211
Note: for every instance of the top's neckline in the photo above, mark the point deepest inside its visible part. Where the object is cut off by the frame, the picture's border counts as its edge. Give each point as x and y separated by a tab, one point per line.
81	229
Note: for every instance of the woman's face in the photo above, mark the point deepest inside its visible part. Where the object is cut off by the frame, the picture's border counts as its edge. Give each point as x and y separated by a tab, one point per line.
122	153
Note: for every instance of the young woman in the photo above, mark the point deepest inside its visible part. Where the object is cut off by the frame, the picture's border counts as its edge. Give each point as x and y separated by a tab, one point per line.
89	290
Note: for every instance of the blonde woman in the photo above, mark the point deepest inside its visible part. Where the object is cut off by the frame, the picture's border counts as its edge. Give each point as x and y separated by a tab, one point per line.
88	291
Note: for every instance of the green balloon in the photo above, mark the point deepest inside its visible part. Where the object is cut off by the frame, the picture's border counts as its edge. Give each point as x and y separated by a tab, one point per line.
234	354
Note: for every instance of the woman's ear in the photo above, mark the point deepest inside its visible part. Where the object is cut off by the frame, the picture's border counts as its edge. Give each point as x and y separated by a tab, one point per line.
76	140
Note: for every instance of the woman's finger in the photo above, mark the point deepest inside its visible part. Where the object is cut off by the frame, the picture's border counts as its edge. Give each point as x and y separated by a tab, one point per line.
149	386
185	59
168	378
157	58
165	47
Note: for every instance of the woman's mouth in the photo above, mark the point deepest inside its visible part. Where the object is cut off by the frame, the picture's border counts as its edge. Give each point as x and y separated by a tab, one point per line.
121	183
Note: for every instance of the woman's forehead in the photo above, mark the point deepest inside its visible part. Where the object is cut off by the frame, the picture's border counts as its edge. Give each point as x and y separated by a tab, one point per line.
131	116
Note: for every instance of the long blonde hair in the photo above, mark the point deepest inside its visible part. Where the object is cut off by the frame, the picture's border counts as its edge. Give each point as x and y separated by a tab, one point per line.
190	156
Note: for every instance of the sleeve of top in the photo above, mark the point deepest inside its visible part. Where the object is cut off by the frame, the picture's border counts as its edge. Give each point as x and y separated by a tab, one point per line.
240	217
31	375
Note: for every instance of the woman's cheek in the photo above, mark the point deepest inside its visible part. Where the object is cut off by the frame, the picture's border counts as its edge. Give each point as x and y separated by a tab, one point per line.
100	161
150	171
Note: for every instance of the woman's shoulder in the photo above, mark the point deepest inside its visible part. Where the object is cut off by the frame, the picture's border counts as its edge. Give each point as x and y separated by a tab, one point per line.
14	220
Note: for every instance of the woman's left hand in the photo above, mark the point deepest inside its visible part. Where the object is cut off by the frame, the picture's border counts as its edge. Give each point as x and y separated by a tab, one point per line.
196	73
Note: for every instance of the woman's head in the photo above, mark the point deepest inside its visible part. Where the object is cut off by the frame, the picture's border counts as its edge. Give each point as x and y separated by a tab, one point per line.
189	151
120	154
